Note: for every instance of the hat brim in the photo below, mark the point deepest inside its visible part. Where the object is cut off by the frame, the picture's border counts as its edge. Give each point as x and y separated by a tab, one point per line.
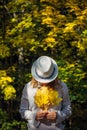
44	80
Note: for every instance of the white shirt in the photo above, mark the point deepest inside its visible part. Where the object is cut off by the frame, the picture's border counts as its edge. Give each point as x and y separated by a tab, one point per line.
28	109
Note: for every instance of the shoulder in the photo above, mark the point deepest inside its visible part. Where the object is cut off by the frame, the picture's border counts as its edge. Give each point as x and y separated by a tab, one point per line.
64	87
26	90
27	86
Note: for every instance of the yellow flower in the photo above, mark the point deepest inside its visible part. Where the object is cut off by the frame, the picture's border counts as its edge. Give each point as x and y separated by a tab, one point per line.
47	97
9	92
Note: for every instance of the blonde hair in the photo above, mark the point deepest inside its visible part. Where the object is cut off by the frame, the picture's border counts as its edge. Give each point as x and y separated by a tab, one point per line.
52	84
34	83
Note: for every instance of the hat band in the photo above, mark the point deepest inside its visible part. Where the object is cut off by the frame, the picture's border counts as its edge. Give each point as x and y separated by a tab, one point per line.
45	77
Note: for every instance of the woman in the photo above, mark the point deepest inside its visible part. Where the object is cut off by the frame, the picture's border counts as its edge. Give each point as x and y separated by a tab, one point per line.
44	73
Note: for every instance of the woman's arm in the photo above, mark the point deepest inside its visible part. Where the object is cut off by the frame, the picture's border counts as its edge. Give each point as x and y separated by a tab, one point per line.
65	111
24	110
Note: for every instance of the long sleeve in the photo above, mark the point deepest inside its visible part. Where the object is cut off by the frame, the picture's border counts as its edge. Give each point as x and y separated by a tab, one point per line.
65	110
26	110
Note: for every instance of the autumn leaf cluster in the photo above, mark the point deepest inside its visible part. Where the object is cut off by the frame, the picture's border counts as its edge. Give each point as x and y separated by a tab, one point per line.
47	97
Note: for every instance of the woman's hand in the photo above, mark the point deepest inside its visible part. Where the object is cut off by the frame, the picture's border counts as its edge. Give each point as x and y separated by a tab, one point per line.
41	115
51	115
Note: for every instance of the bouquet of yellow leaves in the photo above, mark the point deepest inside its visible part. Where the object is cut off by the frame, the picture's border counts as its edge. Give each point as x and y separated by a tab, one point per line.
46	97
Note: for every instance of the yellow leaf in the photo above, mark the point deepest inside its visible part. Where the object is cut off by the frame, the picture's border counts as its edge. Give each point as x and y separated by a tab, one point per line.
46	97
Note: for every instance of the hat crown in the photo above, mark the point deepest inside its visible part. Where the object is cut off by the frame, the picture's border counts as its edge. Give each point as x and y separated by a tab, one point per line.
44	67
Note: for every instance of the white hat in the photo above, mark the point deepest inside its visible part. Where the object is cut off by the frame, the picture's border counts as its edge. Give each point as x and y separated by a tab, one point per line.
44	69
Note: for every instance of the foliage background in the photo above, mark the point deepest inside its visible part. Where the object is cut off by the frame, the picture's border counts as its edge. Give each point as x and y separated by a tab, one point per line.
31	28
